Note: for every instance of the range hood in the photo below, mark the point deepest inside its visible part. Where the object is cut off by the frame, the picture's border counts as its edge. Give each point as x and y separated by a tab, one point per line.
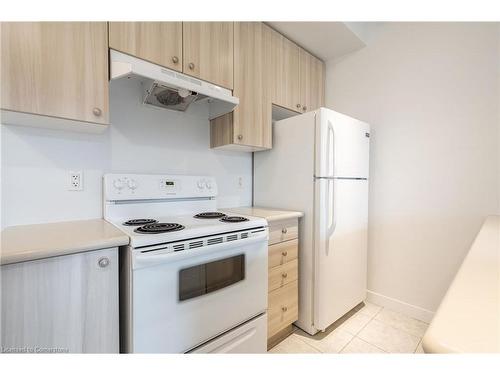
166	88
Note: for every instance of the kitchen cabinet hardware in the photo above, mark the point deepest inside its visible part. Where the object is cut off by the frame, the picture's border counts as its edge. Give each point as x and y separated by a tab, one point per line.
284	309
175	59
103	262
284	231
240	137
97	111
298	105
284	275
191	66
304	108
284	253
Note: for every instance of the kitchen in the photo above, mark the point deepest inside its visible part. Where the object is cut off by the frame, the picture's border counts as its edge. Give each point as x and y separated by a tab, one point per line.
102	183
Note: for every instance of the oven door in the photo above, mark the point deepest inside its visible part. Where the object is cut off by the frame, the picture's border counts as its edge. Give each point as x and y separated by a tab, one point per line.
183	299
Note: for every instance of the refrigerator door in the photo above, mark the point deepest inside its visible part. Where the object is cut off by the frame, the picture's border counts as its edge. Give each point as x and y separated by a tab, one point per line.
340	249
342	145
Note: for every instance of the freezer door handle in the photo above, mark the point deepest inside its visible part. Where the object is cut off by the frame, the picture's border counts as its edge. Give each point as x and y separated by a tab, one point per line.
330	141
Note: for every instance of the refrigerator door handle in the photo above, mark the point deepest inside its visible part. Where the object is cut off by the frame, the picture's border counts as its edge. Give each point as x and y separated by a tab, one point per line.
331	207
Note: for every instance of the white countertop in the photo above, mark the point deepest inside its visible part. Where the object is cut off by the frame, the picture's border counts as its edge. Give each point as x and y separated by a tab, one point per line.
468	319
29	242
270	214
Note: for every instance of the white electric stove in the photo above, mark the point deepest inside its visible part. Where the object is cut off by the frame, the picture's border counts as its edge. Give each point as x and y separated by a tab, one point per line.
193	279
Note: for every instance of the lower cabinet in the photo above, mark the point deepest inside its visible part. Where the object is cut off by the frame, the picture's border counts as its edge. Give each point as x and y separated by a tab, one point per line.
283	291
64	304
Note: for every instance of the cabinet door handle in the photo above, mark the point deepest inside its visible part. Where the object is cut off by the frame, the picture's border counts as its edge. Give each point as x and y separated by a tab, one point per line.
103	262
284	275
175	59
298	106
284	309
240	137
191	66
304	108
97	111
284	230
284	253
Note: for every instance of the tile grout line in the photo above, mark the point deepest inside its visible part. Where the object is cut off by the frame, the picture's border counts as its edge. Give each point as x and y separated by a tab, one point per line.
372	318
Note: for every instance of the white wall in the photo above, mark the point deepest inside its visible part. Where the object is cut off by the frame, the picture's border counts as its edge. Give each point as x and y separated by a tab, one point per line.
431	94
35	162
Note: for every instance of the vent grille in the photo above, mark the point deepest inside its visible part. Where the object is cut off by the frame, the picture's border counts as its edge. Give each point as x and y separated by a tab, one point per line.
195	244
232	237
244	235
213	241
179	247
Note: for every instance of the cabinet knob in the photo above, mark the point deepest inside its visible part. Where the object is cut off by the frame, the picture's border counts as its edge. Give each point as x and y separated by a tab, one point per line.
97	111
191	66
284	309
175	59
103	262
284	230
284	275
298	106
284	253
240	137
304	108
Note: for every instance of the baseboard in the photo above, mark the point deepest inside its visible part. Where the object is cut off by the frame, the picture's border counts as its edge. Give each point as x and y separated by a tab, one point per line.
400	306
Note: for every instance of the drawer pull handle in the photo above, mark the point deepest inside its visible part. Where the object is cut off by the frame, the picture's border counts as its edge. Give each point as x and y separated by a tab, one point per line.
284	253
284	309
284	275
284	230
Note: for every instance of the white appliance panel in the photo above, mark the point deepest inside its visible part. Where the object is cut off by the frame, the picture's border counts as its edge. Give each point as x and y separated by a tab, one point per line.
246	339
165	324
340	248
342	145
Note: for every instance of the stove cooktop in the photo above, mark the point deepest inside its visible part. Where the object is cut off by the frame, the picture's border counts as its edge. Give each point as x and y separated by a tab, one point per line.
177	228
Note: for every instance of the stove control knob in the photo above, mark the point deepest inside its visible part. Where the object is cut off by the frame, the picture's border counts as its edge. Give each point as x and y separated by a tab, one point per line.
118	184
201	184
208	184
132	184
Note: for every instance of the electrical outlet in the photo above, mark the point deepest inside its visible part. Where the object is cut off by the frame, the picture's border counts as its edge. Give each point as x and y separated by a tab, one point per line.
75	181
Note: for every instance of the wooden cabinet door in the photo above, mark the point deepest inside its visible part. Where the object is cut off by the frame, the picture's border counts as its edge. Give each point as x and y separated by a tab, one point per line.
249	126
282	64
57	69
252	117
312	82
208	51
66	302
157	42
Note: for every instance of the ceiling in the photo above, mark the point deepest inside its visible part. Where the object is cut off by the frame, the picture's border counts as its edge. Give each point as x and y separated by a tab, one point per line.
328	40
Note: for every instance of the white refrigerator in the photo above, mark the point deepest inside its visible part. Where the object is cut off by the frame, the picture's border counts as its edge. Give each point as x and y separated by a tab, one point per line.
319	165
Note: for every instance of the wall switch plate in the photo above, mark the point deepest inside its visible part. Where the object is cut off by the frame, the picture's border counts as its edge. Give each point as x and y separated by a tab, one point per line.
75	181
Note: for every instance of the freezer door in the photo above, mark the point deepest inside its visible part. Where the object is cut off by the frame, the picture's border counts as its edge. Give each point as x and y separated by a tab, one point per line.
342	145
341	211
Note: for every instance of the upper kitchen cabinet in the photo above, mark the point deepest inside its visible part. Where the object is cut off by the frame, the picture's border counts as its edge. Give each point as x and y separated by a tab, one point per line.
281	61
56	69
248	128
312	82
208	51
157	42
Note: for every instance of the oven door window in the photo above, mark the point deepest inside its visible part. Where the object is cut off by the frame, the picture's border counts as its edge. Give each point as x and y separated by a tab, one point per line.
208	277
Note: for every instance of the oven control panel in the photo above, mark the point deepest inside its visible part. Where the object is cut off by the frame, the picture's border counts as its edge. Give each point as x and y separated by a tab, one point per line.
133	186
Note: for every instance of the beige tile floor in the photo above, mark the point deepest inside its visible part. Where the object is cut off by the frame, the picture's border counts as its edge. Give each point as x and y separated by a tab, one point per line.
368	328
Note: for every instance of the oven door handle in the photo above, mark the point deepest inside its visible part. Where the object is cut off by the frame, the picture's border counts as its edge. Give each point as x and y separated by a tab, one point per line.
148	259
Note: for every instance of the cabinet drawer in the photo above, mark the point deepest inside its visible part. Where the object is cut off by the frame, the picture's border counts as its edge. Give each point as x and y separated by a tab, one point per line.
282	253
283	275
283	308
283	231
